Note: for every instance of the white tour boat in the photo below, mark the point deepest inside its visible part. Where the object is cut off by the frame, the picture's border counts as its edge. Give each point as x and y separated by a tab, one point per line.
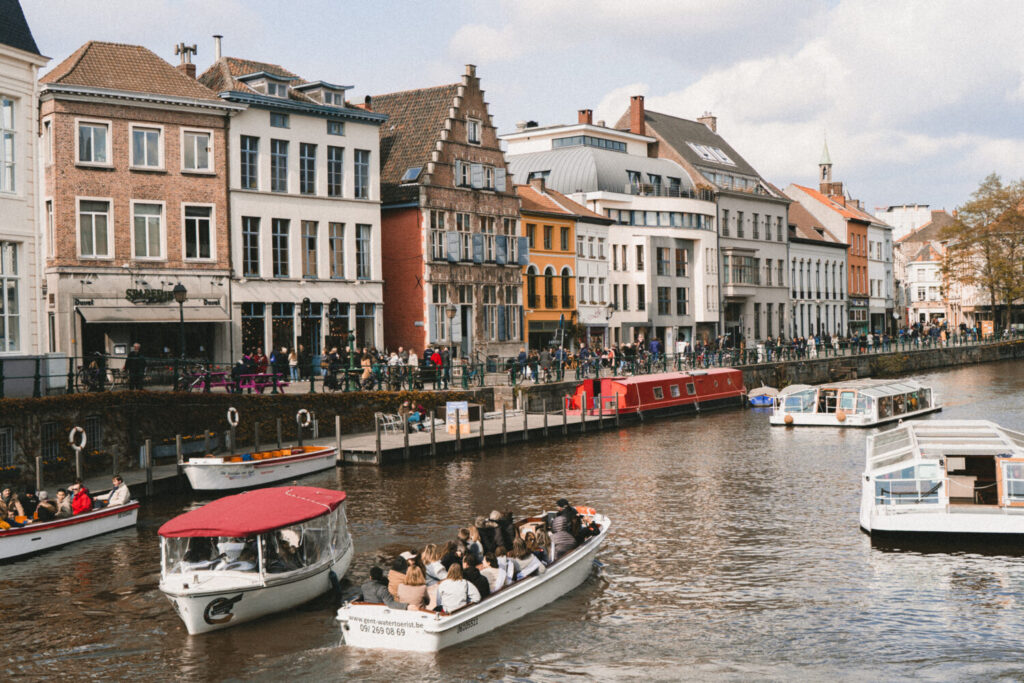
251	554
853	403
210	473
377	626
943	478
37	536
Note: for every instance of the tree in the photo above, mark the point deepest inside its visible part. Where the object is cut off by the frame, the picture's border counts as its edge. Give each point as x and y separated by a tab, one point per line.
985	244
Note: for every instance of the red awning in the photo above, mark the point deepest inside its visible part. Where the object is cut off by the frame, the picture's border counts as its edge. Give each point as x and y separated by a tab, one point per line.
254	512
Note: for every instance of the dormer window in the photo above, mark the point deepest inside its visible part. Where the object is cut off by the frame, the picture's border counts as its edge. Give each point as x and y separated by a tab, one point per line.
411	174
335	99
277	89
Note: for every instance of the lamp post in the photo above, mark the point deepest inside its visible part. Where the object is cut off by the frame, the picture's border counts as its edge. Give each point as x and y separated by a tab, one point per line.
180	295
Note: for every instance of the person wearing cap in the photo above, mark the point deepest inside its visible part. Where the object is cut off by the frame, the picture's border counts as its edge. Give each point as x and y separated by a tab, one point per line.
376	590
47	509
563	529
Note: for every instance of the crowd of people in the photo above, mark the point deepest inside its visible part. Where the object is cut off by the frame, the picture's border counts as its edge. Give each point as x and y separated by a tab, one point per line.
482	559
37	506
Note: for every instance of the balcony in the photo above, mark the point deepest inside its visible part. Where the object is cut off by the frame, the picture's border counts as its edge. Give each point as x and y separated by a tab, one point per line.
651	190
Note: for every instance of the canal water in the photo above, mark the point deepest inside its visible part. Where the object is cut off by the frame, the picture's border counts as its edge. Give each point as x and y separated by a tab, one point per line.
735	555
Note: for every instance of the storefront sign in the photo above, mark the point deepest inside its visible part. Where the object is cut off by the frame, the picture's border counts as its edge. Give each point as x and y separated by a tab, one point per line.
211	302
148	296
83	302
859	302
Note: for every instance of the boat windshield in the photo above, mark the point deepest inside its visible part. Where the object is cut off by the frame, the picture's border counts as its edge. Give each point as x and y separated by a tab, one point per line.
209	553
846	400
865	405
800	402
909	486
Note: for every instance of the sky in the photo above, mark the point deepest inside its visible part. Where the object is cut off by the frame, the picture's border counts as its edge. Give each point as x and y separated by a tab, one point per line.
919	100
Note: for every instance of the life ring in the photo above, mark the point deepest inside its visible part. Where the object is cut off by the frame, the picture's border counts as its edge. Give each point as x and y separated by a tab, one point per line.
585	510
233	416
303	418
75	431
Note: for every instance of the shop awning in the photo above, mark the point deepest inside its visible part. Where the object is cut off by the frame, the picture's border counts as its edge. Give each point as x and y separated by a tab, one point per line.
152	314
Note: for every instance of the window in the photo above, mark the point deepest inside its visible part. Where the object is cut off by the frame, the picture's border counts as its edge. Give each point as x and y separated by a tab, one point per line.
625	259
579	246
641	298
93	224
146	147
51	440
755	222
93	143
490	312
94	431
600	248
253	333
639	257
634	181
411	174
250	155
547	236
778	228
564	241
49	227
10	301
590	247
473	131
465	238
659	393
282	324
336	127
438	322
531	231
662	262
363	251
588	141
47	135
489	177
487	227
279	246
250	246
437	245
682	261
278	120
615	297
625	297
514	313
196	151
335	171
148	221
278	165
362	174
337	248
682	301
739	224
309	231
198	232
6	447
7	153
462	174
664	302
307	168
725	222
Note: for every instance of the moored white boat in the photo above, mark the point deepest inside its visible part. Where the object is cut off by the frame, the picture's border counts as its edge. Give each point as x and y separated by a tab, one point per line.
39	536
944	479
377	626
252	554
208	473
853	403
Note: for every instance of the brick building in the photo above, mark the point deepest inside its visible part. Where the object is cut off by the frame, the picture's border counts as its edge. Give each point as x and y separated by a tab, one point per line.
450	224
135	203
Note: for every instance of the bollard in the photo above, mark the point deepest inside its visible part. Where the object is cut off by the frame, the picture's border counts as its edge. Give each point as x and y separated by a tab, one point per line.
149	467
583	414
526	427
504	425
39	473
376	424
177	450
298	432
433	437
616	410
312	375
481	428
565	416
544	408
78	463
405	440
458	432
256	437
36	393
279	434
337	437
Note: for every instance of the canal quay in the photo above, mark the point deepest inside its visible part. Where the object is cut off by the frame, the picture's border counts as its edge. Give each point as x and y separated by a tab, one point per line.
735	554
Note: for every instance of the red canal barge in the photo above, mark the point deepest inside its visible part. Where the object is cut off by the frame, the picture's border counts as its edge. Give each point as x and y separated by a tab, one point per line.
665	393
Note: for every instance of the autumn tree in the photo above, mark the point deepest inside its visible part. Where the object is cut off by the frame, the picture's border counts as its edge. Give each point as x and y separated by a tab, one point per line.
985	245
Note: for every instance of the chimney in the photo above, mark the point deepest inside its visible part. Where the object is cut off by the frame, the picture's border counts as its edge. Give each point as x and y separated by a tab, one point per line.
710	121
586	116
216	47
520	126
186	52
537	183
471	70
636	115
367	103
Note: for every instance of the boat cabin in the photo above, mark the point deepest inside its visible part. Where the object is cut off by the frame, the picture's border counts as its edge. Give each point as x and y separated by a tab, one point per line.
659	392
861	402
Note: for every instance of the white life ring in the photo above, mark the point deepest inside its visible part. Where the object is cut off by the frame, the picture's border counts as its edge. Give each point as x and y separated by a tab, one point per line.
233	416
75	431
303	418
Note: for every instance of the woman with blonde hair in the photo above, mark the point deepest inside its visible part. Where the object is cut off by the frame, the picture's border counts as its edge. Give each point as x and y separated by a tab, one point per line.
455	591
433	569
413	590
526	563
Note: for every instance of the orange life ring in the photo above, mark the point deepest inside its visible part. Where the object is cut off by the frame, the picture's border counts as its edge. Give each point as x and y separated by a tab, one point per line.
585	510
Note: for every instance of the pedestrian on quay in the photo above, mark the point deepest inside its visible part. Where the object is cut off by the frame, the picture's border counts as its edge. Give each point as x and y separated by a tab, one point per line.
135	364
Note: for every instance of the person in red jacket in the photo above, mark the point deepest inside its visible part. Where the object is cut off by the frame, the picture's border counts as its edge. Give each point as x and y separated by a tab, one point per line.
81	501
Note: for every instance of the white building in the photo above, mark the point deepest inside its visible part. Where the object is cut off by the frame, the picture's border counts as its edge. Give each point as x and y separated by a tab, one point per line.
305	211
904	218
924	285
817	276
592	277
22	326
881	301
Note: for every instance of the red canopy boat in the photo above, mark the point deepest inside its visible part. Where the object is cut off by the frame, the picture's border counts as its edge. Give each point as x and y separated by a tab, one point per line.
662	393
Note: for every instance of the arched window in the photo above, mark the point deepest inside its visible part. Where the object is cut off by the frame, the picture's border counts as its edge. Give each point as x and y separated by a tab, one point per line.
531	286
549	287
566	287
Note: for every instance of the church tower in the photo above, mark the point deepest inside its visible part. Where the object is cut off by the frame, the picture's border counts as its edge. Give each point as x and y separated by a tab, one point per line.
825	184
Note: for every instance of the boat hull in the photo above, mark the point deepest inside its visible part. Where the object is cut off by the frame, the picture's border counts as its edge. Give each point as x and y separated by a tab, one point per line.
34	538
220	609
830	420
227	476
377	626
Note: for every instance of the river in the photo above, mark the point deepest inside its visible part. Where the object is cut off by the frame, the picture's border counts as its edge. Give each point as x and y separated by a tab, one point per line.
735	555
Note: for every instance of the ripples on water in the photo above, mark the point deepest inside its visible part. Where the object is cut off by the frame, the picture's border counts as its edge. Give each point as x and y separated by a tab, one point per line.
735	555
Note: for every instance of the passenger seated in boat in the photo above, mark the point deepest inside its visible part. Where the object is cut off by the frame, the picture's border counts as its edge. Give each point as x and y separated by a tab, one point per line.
413	588
236	554
29	502
397	575
199	555
564	527
472	574
455	591
542	545
469	542
449	554
10	509
507	527
376	590
496	577
526	563
433	569
118	495
283	552
63	504
47	509
81	501
487	530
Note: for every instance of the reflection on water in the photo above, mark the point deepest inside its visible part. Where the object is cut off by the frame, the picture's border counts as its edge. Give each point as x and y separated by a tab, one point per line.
735	554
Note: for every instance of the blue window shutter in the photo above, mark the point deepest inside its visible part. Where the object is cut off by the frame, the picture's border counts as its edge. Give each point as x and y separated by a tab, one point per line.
499	179
501	249
476	175
501	322
432	321
458	172
456	329
452	238
521	328
524	251
478	248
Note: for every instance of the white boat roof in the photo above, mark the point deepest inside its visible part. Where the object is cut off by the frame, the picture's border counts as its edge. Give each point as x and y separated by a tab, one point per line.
876	388
931	439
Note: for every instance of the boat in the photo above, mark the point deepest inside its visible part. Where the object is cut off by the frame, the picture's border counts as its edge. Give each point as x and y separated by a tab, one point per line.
944	479
225	473
375	625
252	554
32	538
664	393
853	403
763	396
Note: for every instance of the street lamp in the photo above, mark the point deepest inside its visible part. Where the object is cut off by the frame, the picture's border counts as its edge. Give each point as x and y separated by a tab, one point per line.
180	295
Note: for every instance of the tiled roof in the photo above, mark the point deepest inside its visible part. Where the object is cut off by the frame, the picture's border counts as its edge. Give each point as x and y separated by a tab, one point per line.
845	210
932	230
551	201
129	68
224	73
807	227
14	30
415	121
929	252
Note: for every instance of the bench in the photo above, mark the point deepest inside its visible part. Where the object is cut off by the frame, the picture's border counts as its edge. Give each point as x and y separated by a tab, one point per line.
389	422
260	382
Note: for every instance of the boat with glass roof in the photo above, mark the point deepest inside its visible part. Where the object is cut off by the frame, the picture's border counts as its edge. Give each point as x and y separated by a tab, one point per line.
944	478
853	403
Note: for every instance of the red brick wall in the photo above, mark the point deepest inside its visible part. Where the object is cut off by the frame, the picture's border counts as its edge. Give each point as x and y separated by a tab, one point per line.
65	181
402	261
